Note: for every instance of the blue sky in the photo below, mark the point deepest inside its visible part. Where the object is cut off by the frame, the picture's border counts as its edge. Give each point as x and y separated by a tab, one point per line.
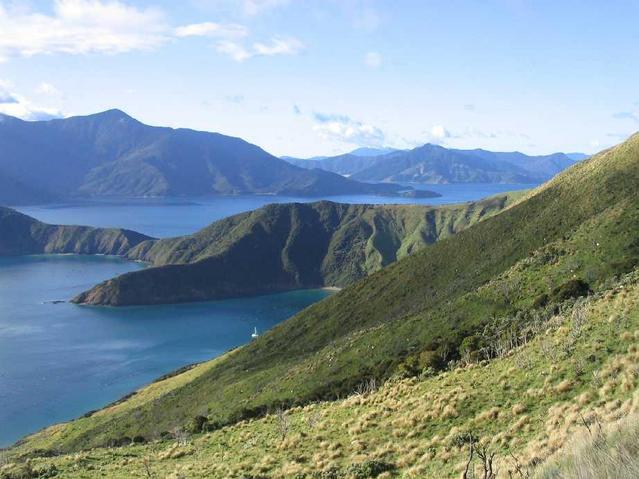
311	77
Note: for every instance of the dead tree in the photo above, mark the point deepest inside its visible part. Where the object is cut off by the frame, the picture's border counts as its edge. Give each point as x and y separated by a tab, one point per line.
485	455
282	423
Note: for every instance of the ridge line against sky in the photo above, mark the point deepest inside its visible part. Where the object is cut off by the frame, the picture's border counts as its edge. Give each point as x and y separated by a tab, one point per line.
311	77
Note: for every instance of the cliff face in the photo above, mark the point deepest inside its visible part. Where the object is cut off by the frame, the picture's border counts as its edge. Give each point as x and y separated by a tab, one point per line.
21	234
284	247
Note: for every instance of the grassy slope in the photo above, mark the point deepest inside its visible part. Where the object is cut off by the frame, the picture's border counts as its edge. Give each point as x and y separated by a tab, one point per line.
572	368
21	234
582	224
286	246
601	450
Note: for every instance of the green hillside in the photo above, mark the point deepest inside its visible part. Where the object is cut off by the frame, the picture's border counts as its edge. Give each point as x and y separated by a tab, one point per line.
286	246
565	379
448	301
21	234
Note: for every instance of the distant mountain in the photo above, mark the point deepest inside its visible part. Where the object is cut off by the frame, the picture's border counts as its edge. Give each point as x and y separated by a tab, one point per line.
537	167
345	164
372	151
285	246
577	156
20	235
110	154
436	164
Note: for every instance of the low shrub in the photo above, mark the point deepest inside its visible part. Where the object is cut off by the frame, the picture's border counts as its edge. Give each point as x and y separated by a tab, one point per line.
571	289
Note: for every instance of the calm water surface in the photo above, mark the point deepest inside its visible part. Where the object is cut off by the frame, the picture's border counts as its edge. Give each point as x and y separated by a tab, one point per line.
58	361
163	218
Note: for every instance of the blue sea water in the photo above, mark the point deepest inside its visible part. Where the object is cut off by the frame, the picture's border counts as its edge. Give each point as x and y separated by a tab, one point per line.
162	218
57	361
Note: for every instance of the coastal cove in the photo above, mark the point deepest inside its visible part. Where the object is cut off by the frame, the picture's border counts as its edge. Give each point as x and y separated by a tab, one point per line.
58	361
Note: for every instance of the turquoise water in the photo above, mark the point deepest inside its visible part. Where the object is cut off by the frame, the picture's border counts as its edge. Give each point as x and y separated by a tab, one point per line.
163	218
58	361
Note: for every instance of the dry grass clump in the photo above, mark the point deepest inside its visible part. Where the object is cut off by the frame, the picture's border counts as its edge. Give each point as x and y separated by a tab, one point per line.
612	451
518	409
487	415
175	451
564	386
627	336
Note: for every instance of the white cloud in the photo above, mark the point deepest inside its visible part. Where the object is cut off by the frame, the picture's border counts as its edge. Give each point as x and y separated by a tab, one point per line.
234	50
80	27
277	46
346	130
211	29
373	60
16	105
113	26
439	132
45	88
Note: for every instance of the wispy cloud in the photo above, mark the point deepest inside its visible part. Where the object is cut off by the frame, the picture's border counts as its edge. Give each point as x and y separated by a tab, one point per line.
80	27
113	26
48	89
344	129
373	59
277	46
212	29
6	97
13	104
627	115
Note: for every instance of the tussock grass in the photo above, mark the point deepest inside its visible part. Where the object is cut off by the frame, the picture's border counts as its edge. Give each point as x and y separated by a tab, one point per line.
597	452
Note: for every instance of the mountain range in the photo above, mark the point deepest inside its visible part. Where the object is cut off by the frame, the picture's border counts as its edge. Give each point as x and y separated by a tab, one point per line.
110	154
436	164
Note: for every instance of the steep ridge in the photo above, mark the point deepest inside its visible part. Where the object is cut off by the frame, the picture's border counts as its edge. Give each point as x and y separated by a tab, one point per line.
110	154
21	235
571	236
285	246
